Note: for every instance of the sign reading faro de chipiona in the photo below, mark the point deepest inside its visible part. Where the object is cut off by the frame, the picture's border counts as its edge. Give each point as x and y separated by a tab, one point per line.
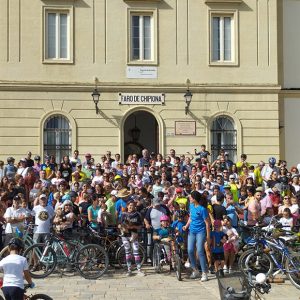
135	99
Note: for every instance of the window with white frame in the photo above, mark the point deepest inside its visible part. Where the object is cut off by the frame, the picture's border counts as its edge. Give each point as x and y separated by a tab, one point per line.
141	37
57	35
222	38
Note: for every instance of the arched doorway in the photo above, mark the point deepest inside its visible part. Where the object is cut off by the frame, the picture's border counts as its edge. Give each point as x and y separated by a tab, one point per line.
140	131
223	136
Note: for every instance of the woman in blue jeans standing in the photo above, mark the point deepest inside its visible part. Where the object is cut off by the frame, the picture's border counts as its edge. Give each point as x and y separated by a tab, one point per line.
199	232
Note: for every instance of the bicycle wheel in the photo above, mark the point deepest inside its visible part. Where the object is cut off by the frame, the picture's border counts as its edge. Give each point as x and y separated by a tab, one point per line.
121	257
41	259
112	254
253	262
156	258
292	266
40	297
4	252
91	261
178	266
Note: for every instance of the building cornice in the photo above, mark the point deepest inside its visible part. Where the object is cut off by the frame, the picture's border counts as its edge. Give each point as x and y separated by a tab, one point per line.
141	87
223	1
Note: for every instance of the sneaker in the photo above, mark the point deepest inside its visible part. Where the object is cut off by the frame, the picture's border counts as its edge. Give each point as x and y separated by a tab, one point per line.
225	269
187	264
204	277
140	273
221	273
129	273
194	275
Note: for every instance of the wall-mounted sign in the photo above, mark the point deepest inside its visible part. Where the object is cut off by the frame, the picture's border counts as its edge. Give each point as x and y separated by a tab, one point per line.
147	72
135	99
185	128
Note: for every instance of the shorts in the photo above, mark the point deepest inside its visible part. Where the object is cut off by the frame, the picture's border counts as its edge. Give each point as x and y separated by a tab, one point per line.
218	256
13	293
40	237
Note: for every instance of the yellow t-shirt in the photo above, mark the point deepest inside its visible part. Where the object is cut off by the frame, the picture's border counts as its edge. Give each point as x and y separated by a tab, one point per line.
182	200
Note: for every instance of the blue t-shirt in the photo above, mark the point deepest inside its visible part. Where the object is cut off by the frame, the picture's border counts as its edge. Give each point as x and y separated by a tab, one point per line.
198	214
163	232
231	212
216	237
120	207
178	225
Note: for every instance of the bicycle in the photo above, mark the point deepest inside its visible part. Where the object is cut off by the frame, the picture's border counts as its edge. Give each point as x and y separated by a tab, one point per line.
32	297
26	237
237	286
272	251
90	261
160	257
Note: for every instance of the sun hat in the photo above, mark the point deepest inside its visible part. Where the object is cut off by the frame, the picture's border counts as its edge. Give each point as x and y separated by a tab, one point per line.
123	193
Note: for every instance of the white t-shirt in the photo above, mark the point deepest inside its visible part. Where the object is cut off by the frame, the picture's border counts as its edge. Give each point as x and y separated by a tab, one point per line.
43	217
14	213
286	223
13	266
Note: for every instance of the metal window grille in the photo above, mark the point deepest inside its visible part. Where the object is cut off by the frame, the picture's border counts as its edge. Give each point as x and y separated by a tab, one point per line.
57	137
223	136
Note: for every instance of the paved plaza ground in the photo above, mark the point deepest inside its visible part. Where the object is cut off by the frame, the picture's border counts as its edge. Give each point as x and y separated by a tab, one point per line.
115	285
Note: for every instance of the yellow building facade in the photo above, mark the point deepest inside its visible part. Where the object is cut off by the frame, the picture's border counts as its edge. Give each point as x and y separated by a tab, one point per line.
139	54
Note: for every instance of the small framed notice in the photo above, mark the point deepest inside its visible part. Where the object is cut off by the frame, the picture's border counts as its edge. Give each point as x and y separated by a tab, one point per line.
185	127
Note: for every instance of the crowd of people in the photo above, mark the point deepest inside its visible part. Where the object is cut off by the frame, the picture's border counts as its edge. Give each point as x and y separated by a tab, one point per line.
200	199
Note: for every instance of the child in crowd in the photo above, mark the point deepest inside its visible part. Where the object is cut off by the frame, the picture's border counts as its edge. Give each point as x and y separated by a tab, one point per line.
295	209
230	249
287	219
163	234
203	152
217	237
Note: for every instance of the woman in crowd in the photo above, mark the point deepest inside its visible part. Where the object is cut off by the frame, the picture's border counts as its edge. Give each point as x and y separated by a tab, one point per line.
199	232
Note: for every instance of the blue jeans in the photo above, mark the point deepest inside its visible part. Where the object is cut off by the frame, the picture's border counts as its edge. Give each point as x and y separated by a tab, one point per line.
198	239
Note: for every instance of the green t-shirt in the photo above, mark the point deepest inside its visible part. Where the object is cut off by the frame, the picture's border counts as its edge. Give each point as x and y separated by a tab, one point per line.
111	208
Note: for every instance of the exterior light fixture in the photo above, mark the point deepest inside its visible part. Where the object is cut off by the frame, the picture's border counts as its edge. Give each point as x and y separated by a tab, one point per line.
188	97
96	96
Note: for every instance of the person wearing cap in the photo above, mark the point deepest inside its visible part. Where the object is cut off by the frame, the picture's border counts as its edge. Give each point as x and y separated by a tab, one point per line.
87	156
14	217
122	196
37	165
43	216
180	199
65	219
10	169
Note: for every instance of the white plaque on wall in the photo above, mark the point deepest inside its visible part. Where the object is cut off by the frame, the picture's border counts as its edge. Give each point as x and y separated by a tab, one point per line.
135	99
141	72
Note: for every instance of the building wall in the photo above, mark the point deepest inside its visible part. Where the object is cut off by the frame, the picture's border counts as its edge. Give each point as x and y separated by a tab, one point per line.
31	90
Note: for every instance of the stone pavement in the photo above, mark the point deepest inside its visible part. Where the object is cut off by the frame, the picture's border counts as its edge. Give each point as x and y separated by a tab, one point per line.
115	285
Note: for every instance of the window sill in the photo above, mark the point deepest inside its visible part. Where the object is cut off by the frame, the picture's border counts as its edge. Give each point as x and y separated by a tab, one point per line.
139	1
58	61
223	2
142	63
223	64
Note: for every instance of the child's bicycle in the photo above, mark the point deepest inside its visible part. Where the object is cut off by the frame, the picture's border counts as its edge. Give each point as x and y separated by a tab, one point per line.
32	297
237	286
161	259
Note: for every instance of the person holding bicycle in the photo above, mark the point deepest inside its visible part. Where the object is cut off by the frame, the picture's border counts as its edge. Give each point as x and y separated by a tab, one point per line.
15	267
131	222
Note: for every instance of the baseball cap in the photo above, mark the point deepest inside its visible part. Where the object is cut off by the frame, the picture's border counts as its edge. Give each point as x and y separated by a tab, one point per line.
78	164
178	190
73	194
43	196
114	193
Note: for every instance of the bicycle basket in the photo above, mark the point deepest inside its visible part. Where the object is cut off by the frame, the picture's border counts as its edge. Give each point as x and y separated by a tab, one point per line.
234	287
